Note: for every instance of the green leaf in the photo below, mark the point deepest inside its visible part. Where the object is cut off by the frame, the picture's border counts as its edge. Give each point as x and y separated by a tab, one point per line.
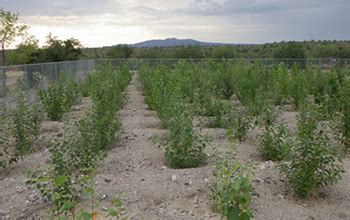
89	191
67	206
233	214
83	215
112	212
245	216
60	180
43	179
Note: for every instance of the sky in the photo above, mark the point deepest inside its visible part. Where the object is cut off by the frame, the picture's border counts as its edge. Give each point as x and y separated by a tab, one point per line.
103	23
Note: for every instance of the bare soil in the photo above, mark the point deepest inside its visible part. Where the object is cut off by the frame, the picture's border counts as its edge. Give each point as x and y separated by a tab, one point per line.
135	171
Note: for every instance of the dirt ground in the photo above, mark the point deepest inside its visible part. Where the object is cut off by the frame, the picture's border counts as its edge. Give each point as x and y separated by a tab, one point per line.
135	171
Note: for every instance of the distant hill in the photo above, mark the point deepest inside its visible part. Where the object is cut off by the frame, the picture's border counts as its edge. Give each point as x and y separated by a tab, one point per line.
173	42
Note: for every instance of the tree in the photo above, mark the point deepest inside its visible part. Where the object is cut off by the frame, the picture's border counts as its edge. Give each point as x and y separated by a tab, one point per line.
57	50
10	31
26	52
120	52
290	50
223	52
189	52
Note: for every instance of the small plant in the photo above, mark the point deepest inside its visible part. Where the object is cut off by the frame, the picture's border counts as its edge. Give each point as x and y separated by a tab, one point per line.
222	112
5	135
116	211
240	124
22	127
231	191
26	122
316	155
269	115
273	143
59	97
298	89
185	147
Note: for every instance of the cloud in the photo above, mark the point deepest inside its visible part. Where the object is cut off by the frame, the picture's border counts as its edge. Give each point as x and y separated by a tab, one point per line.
254	7
110	22
61	7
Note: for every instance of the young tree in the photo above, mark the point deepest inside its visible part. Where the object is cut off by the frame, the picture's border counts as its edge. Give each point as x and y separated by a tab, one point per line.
10	31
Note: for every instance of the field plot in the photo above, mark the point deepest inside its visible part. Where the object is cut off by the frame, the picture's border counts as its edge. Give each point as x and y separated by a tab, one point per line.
199	140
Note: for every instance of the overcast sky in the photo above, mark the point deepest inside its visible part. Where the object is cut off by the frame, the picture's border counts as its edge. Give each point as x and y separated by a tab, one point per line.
110	22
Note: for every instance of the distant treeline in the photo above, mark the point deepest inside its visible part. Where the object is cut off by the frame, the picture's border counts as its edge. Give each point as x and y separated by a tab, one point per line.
70	49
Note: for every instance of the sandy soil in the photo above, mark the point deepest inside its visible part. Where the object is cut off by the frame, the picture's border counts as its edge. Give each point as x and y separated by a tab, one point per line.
136	172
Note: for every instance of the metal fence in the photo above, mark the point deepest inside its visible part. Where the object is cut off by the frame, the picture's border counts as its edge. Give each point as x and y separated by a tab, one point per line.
33	76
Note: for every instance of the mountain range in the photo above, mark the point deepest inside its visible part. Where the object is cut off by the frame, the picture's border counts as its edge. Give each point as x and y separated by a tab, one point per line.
173	42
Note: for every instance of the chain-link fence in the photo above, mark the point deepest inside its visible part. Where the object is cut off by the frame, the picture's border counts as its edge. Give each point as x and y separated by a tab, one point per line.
33	76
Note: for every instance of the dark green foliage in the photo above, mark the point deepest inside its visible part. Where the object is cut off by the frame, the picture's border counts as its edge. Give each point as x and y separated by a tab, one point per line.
60	50
290	50
119	52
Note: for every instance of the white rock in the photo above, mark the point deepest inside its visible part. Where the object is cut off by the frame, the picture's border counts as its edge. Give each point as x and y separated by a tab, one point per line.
262	167
173	178
104	196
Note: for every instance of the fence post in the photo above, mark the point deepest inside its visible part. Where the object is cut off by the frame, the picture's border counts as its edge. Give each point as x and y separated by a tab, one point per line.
30	83
3	81
56	72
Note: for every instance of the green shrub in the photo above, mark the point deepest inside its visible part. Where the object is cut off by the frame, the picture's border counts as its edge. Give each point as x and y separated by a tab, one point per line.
185	147
316	155
240	123
223	112
298	88
59	97
26	121
273	143
5	134
231	191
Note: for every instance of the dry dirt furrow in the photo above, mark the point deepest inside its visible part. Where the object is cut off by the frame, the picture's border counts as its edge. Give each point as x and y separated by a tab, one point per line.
135	171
